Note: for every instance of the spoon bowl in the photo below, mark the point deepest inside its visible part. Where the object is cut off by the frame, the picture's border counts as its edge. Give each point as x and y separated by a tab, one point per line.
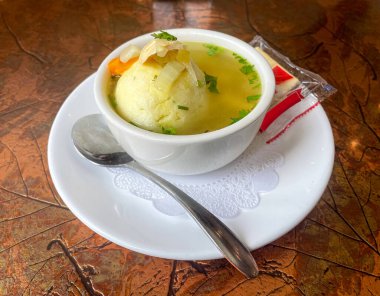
96	143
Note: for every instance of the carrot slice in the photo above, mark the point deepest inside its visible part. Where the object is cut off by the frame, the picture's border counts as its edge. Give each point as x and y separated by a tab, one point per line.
117	67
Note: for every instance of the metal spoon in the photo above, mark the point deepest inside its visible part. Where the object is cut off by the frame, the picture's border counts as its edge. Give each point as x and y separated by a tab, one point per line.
94	141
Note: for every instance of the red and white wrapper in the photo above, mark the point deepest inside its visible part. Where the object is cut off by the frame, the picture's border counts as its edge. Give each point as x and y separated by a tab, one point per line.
297	92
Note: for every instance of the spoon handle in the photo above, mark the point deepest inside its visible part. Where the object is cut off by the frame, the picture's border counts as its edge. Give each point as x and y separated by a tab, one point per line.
226	241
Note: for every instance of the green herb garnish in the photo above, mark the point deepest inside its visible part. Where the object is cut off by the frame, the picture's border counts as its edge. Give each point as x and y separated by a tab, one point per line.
183	107
247	69
257	85
242	114
212	82
212	49
168	130
240	59
164	35
253	98
200	83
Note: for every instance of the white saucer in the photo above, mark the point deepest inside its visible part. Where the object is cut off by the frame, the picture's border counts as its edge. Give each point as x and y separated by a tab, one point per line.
135	223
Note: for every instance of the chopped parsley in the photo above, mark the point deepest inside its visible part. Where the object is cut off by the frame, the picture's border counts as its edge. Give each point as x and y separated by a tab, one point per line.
213	49
257	85
164	35
240	59
242	114
183	107
168	130
211	82
253	98
247	69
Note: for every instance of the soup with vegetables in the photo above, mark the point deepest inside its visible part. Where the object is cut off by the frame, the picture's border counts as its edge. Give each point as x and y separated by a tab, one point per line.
182	88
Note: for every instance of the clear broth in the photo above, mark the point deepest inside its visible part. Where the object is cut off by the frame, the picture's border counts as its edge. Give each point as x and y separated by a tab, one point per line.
238	84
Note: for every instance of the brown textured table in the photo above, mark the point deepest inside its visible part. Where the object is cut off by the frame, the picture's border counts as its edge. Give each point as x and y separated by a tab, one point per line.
48	47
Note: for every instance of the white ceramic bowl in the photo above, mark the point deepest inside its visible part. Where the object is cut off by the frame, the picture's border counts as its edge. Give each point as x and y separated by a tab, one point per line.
188	154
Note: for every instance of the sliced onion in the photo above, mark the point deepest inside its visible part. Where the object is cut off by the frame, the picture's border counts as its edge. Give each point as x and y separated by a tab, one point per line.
196	74
169	73
161	51
129	52
159	47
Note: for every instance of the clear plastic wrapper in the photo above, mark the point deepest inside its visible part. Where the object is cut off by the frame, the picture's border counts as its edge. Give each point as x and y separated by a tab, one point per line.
293	84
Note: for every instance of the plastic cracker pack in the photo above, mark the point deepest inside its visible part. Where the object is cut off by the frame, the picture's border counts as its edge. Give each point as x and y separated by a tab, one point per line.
293	83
